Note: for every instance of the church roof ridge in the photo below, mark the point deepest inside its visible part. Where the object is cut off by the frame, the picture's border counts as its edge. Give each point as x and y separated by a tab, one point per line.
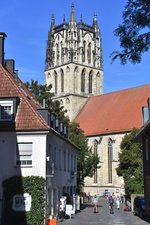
121	90
114	112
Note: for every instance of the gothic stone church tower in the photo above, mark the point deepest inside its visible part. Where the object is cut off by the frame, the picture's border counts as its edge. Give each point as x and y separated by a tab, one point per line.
74	62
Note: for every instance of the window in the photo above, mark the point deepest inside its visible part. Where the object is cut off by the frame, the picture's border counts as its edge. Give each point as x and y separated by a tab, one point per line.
90	82
89	53
147	149
95	153
55	158
110	158
64	160
68	161
83	81
71	162
57	52
24	154
60	160
83	51
55	83
62	81
6	110
75	162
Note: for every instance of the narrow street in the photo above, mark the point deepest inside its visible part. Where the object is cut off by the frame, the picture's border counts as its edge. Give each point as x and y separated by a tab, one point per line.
103	217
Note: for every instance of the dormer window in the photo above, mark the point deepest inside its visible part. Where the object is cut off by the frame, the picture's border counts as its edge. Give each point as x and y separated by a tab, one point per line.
6	110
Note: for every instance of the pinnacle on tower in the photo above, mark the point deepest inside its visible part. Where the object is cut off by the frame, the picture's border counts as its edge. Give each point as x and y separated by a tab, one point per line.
64	19
72	16
52	22
81	18
95	24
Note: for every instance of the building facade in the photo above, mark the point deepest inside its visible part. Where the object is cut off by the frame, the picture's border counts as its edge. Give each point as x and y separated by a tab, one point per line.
75	71
74	62
144	137
32	141
106	119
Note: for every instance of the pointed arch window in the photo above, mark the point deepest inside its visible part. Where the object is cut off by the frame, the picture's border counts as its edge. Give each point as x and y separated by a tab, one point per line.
110	158
83	81
62	81
89	53
57	53
84	49
95	153
90	82
62	53
55	77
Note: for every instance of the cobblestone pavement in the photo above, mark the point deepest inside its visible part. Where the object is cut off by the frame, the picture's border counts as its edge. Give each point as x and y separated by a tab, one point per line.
103	217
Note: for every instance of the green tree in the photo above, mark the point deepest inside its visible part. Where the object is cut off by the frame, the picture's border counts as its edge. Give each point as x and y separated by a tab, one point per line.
134	33
131	164
87	161
43	94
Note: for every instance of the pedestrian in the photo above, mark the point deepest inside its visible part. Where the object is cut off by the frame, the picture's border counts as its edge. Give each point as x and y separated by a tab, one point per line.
89	196
122	198
108	195
111	204
127	208
95	203
118	202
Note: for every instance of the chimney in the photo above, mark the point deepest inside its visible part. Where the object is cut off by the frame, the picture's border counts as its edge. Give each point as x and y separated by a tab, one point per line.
2	38
10	63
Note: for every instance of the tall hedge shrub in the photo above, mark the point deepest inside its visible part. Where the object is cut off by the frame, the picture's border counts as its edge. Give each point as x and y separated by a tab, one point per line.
32	185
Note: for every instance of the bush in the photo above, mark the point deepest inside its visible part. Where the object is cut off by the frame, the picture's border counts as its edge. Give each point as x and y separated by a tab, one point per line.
34	186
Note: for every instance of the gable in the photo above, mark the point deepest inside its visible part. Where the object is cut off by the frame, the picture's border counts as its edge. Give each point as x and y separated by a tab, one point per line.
26	118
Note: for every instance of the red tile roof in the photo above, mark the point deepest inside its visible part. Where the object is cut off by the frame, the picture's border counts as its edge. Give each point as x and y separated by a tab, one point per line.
27	117
115	112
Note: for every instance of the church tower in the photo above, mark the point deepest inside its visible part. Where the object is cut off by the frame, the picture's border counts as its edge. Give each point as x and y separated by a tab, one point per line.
74	62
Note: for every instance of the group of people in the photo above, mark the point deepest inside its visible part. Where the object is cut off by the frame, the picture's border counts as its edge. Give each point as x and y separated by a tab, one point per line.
112	200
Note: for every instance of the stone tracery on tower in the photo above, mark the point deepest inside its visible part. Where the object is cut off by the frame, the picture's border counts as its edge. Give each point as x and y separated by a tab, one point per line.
74	62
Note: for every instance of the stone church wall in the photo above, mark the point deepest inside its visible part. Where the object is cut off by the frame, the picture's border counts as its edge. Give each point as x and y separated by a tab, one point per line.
102	172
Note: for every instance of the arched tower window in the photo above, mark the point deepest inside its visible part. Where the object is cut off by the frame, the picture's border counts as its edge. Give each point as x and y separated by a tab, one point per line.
110	158
57	53
83	81
62	81
89	53
55	78
84	49
62	53
90	82
95	153
76	80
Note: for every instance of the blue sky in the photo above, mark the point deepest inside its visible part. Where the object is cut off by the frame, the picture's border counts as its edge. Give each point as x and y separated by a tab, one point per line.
26	23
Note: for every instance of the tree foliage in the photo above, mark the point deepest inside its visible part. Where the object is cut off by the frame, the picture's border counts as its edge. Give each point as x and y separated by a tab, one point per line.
134	33
131	164
87	161
43	94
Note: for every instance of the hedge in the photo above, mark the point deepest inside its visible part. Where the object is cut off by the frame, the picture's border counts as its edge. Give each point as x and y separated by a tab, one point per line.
32	185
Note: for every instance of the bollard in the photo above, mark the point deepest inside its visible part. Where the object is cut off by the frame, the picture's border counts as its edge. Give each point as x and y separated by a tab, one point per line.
52	222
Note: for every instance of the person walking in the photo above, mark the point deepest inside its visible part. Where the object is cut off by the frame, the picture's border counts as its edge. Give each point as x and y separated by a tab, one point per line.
89	197
111	204
118	202
95	203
